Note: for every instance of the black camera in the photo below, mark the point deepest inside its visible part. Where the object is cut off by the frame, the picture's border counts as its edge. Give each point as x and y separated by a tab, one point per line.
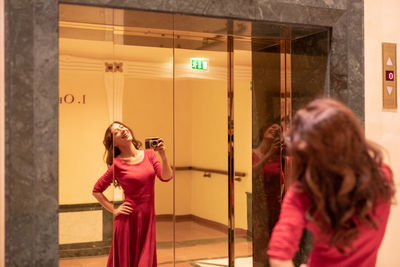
151	142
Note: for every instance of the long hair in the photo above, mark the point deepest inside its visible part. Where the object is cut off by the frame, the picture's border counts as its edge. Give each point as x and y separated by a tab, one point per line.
337	168
113	151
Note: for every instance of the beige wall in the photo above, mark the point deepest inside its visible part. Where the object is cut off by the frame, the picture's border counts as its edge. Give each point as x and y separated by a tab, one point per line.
2	140
83	226
382	24
209	196
81	132
243	140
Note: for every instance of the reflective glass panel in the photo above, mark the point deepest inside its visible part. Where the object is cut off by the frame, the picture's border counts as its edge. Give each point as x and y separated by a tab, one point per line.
143	94
201	80
86	109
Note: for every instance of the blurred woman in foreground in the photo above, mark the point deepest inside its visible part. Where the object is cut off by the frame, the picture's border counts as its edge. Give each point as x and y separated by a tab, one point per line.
341	191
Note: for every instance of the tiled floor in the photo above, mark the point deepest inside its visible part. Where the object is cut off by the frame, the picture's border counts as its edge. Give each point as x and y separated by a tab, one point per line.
242	262
194	244
84	262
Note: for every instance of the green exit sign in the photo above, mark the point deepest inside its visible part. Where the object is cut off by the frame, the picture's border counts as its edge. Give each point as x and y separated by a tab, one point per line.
199	63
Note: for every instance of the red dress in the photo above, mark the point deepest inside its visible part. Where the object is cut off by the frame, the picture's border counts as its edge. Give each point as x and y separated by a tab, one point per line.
134	237
287	233
273	181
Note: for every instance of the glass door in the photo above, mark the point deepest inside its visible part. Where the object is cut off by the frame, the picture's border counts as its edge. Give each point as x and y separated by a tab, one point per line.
143	48
267	170
277	70
201	159
86	109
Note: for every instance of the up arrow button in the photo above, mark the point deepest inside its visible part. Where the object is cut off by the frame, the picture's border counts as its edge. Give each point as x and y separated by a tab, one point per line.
389	62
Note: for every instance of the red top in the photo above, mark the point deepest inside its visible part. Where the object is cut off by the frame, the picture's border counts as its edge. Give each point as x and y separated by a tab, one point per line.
271	168
136	179
287	234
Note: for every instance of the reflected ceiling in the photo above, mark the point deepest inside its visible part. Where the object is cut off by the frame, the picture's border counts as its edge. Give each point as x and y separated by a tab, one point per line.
158	29
98	33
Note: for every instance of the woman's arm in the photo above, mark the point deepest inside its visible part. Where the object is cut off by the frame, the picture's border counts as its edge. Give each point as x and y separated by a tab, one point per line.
166	173
280	263
125	208
273	151
104	201
286	236
101	185
257	167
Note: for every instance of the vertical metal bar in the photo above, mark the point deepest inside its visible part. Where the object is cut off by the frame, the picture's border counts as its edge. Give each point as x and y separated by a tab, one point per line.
286	95
2	135
173	139
283	103
288	75
288	101
231	170
283	83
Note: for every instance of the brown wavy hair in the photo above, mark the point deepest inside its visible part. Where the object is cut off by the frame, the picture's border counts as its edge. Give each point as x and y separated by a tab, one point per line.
337	168
113	151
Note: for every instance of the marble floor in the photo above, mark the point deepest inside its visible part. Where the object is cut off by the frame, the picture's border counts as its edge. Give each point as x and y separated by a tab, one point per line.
196	245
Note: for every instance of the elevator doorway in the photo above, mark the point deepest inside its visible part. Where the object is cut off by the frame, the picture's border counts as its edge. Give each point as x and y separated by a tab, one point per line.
216	91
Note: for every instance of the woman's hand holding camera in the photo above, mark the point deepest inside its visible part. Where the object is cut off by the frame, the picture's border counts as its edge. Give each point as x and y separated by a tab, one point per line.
125	209
160	148
276	146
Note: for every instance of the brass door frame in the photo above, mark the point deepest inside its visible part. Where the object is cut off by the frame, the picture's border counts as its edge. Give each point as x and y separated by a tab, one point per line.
286	94
231	166
286	84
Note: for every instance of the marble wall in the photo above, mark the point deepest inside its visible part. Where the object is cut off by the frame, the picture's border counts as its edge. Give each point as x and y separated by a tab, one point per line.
31	133
31	95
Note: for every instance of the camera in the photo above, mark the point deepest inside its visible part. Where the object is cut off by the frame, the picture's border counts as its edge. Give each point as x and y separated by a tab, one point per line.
151	142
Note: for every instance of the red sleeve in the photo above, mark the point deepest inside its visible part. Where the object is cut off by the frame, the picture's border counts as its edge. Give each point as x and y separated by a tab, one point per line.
104	181
387	172
287	232
157	165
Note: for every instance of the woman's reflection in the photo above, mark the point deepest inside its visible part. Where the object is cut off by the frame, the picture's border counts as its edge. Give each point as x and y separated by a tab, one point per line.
266	160
134	170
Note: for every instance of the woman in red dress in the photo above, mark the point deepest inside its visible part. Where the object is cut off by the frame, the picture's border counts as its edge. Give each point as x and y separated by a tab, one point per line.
266	162
341	190
134	237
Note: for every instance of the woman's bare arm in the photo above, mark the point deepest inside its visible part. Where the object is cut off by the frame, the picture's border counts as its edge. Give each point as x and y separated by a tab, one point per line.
166	169
104	201
125	208
280	263
167	172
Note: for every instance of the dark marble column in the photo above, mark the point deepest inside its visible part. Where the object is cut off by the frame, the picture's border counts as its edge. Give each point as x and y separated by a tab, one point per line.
355	51
31	167
309	62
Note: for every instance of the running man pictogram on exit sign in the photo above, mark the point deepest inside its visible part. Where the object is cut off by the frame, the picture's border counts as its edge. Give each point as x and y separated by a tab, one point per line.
389	76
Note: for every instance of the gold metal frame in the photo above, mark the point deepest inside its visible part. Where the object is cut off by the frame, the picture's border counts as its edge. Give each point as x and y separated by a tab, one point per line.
231	167
286	92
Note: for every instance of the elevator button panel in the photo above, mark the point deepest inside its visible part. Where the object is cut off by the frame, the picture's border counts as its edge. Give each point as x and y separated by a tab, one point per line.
389	76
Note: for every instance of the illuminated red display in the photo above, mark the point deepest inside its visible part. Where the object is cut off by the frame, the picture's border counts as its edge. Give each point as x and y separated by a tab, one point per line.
389	75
